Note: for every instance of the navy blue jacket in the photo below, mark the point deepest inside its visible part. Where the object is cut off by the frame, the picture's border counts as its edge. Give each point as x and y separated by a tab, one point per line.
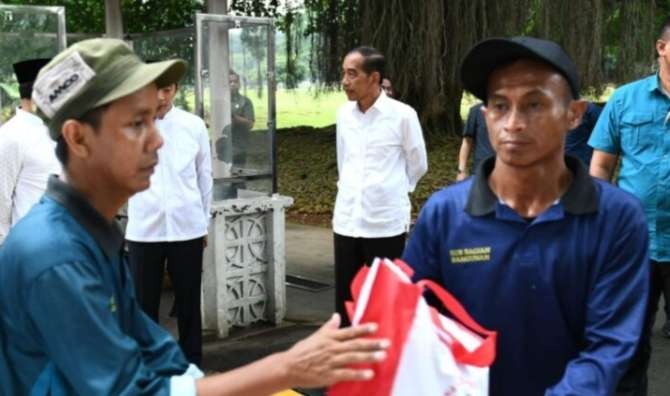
576	141
566	291
475	128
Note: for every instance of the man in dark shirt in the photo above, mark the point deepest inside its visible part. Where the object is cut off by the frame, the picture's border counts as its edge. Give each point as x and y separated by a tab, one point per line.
475	137
243	118
576	141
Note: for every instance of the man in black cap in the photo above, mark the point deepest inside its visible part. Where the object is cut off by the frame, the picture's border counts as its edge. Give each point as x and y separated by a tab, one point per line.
27	155
532	245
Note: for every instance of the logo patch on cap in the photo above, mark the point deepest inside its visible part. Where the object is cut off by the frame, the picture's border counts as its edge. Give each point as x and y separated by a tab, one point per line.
61	83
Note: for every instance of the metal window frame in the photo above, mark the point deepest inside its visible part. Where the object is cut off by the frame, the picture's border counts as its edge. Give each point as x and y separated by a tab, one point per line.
59	11
240	22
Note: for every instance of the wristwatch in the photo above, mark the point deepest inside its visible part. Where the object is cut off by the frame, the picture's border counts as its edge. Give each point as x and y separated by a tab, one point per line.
460	170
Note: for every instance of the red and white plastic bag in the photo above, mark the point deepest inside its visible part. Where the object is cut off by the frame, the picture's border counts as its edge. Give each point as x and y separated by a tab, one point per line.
430	354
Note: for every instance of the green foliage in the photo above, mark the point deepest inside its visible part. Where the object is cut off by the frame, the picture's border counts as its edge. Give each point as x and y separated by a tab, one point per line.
158	15
88	16
81	16
258	8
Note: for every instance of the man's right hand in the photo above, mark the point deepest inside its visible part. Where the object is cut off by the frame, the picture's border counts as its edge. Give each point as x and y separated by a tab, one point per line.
323	358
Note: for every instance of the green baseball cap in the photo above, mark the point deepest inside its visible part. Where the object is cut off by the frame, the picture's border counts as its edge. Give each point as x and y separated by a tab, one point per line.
92	73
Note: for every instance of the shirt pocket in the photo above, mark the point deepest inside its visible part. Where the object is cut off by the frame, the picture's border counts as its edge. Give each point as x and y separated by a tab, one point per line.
638	132
184	158
382	152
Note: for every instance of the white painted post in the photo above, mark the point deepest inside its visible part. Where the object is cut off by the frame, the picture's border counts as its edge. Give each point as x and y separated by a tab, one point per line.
219	92
113	19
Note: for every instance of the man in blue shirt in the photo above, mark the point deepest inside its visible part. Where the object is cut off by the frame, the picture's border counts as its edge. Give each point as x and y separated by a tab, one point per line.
69	321
531	245
635	126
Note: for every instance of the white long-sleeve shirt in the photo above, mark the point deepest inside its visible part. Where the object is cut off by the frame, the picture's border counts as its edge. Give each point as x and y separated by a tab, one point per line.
381	155
27	158
177	204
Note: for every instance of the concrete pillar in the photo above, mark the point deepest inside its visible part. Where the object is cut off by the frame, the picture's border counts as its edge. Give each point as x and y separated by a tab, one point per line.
113	19
244	266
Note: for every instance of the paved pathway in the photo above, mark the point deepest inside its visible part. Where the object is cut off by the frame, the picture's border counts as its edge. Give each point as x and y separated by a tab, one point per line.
310	254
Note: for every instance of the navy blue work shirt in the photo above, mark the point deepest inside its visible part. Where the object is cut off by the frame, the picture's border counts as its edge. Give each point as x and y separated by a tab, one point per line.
69	321
577	139
475	128
566	291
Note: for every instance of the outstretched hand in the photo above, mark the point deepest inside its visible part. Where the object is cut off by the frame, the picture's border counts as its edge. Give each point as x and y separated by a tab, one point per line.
324	358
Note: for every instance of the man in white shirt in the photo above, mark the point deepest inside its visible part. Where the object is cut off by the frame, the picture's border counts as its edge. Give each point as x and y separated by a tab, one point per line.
27	156
167	223
381	156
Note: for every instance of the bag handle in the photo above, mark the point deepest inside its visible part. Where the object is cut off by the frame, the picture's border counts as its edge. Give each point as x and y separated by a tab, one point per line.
482	356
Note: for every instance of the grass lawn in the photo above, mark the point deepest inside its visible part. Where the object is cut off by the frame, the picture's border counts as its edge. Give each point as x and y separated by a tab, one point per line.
303	107
297	107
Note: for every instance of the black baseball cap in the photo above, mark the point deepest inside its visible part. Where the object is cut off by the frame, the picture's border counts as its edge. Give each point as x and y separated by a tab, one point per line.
490	54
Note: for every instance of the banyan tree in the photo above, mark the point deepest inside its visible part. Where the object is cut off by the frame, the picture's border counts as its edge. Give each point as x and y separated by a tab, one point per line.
611	41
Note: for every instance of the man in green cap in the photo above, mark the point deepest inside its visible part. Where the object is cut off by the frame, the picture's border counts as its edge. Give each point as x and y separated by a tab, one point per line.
69	320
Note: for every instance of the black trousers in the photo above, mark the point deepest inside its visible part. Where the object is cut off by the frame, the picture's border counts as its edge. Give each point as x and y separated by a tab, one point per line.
183	260
634	381
351	254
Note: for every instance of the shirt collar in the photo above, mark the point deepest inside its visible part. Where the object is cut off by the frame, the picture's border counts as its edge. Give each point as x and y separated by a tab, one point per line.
654	84
169	113
107	235
581	197
381	104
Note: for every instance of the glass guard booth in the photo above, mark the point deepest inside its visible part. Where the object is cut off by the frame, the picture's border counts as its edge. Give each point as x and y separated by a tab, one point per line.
26	32
244	263
234	94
